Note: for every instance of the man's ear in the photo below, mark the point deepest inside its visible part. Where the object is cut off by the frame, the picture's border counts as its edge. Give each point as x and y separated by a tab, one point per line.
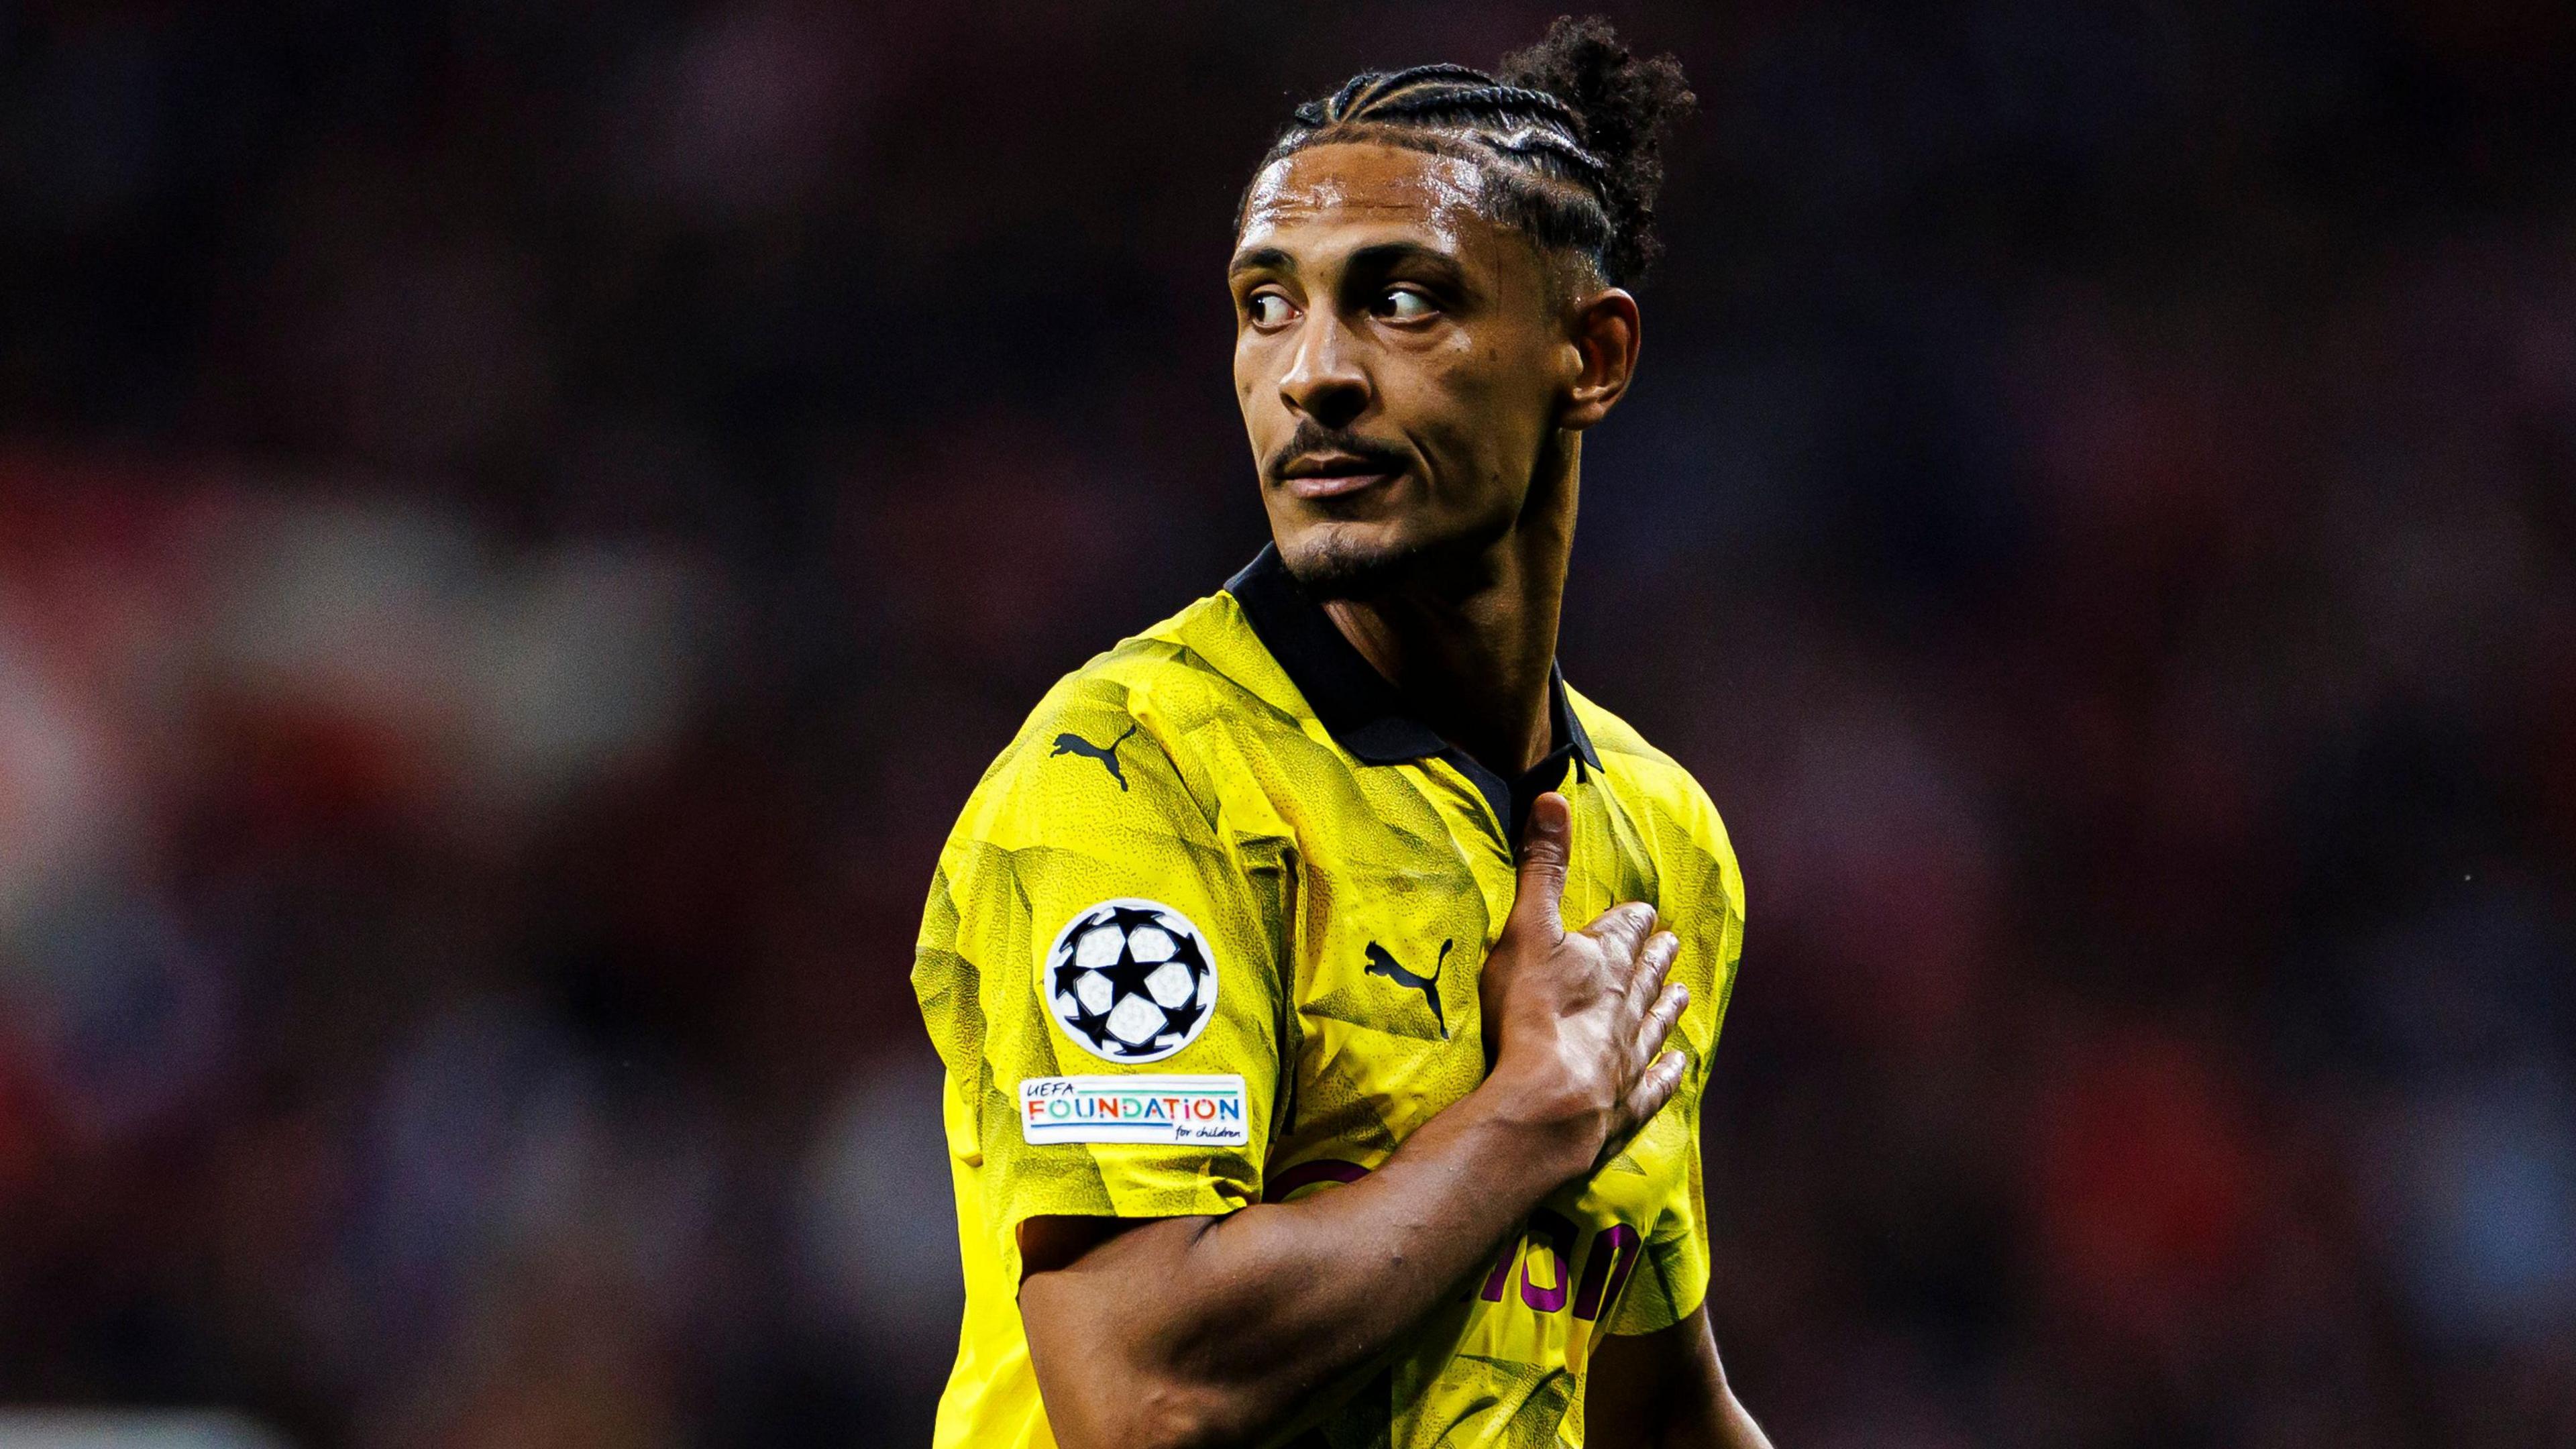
1602	330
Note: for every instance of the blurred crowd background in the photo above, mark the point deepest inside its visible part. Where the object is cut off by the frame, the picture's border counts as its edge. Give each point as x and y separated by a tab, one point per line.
520	523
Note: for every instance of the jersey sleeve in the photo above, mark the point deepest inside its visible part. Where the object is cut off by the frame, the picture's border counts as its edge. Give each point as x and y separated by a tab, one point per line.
1098	969
1702	901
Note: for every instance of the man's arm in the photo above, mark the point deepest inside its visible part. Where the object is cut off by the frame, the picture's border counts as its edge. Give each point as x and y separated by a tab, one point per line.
1664	1390
1201	1330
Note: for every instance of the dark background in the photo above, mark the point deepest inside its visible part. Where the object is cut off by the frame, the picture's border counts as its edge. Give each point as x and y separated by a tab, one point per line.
520	524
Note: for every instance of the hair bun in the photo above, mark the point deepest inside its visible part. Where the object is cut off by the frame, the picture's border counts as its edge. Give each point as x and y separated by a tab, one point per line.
1625	105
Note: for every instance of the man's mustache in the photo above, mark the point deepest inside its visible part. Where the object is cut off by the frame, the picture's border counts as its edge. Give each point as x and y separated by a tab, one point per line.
1312	438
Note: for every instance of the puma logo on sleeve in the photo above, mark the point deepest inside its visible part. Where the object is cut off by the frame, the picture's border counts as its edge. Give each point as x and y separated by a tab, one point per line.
1107	755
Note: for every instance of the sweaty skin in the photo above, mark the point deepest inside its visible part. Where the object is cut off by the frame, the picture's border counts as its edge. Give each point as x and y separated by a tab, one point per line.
1414	380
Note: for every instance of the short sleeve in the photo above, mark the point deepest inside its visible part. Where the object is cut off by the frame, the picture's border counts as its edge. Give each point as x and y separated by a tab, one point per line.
1702	899
1098	970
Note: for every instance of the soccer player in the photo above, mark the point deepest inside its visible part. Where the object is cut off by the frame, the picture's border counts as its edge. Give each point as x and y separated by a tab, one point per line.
1327	989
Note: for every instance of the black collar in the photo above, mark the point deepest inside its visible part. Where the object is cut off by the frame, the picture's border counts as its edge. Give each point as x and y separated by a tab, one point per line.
1362	710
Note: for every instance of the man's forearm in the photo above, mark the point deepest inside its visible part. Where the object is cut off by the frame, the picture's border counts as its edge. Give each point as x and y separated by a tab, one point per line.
1254	1313
1665	1390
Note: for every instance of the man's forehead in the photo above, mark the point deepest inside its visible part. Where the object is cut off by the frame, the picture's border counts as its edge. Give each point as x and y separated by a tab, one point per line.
1366	184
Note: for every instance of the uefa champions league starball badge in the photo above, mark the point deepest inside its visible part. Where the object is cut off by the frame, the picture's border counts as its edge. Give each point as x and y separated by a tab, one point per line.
1130	981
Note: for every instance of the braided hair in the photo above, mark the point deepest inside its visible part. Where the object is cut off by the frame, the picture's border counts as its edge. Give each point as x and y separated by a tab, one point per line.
1569	135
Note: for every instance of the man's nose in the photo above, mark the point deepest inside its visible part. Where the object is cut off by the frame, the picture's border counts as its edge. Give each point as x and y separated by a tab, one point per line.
1324	380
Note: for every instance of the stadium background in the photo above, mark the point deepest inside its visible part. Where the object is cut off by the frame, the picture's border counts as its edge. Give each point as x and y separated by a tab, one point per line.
520	523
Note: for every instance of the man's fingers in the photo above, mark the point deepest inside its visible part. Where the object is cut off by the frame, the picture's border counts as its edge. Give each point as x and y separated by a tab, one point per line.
1666	1015
1654	1089
1654	962
1546	845
1623	930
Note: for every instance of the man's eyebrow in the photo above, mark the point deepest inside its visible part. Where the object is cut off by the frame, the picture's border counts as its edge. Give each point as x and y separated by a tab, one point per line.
1368	260
1379	259
1386	255
1260	259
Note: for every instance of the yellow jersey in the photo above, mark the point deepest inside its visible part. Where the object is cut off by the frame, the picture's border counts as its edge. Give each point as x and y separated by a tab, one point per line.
1207	935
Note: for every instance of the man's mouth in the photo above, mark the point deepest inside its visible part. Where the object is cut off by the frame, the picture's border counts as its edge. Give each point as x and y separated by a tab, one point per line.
1332	475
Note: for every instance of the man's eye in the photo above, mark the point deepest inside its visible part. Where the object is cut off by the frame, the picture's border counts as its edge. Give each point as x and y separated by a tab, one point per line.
1404	304
1268	309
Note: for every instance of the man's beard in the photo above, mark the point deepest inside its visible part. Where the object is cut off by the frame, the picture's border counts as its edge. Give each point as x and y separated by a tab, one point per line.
1335	565
1345	562
1340	566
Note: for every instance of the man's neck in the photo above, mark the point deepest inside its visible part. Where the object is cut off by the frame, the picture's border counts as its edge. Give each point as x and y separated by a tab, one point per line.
1469	651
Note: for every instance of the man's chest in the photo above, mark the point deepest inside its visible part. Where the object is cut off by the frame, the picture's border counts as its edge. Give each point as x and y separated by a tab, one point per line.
1395	907
1385	1030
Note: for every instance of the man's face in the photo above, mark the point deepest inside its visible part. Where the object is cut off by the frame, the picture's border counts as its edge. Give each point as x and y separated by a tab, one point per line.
1399	359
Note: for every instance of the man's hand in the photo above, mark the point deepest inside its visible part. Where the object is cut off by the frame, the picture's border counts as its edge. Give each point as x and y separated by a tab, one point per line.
1194	1331
1575	1022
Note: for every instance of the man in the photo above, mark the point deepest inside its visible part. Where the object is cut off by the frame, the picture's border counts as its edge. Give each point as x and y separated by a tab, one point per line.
1287	1102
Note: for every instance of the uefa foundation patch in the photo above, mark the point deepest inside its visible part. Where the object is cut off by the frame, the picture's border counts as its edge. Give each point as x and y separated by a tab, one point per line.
1172	1110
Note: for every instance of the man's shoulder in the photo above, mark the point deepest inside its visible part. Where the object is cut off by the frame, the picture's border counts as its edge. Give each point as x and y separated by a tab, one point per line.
1121	732
1202	660
1649	780
1169	681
